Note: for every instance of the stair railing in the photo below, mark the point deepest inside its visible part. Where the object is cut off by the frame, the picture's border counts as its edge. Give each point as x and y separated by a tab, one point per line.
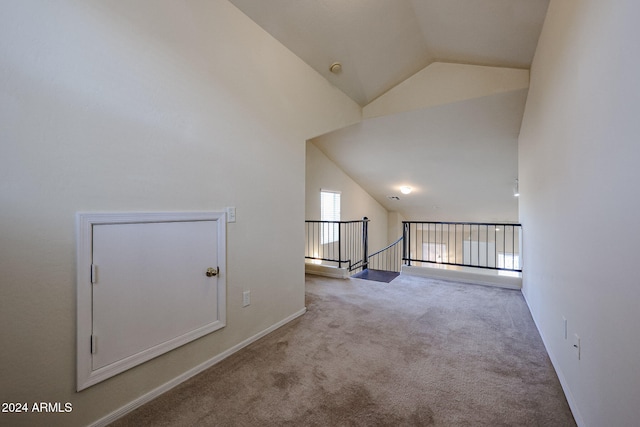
388	258
494	246
338	243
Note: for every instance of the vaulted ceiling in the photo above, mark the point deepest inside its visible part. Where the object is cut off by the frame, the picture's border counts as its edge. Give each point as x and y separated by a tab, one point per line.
458	152
380	43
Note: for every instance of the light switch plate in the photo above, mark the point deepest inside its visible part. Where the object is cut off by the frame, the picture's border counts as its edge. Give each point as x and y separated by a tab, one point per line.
246	298
231	214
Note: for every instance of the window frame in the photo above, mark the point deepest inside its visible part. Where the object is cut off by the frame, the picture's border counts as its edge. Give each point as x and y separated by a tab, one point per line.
330	231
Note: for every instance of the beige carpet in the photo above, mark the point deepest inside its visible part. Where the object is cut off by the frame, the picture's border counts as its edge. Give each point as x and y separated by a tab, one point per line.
411	352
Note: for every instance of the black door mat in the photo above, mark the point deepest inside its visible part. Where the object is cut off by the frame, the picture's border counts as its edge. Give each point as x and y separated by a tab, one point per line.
377	275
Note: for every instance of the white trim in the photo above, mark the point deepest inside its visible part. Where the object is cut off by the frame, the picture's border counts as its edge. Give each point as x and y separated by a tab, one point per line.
145	398
563	382
86	376
324	190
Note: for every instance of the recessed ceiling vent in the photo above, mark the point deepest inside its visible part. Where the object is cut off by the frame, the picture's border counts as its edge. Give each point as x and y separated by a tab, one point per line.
393	197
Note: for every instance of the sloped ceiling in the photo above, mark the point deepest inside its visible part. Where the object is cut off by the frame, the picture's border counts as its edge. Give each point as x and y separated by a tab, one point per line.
459	153
380	43
460	158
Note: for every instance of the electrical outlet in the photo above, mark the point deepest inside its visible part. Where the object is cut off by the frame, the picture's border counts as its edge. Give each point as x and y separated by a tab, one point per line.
246	298
564	325
576	344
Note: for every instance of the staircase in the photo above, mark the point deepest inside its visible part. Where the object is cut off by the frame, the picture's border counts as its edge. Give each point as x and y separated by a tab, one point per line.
471	247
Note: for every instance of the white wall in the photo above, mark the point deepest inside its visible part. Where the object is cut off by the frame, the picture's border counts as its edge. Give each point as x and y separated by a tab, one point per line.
322	173
579	174
394	226
144	106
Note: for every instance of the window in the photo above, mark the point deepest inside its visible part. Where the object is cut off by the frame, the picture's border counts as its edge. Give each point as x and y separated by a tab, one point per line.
329	211
435	252
329	205
509	260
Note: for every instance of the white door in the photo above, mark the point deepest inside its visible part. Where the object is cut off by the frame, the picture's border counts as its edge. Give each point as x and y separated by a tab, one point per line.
151	285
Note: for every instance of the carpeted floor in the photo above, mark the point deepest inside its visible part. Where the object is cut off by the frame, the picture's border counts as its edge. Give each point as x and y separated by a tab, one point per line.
411	352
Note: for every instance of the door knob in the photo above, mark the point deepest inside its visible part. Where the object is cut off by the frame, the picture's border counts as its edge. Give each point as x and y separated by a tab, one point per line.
212	271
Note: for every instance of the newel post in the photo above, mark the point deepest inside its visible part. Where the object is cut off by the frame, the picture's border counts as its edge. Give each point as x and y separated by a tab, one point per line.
405	242
365	243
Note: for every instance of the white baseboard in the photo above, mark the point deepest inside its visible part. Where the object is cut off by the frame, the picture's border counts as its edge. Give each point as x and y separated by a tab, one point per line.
118	413
563	382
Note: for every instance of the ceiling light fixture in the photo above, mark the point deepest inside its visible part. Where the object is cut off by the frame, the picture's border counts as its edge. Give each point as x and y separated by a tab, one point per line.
335	68
405	189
